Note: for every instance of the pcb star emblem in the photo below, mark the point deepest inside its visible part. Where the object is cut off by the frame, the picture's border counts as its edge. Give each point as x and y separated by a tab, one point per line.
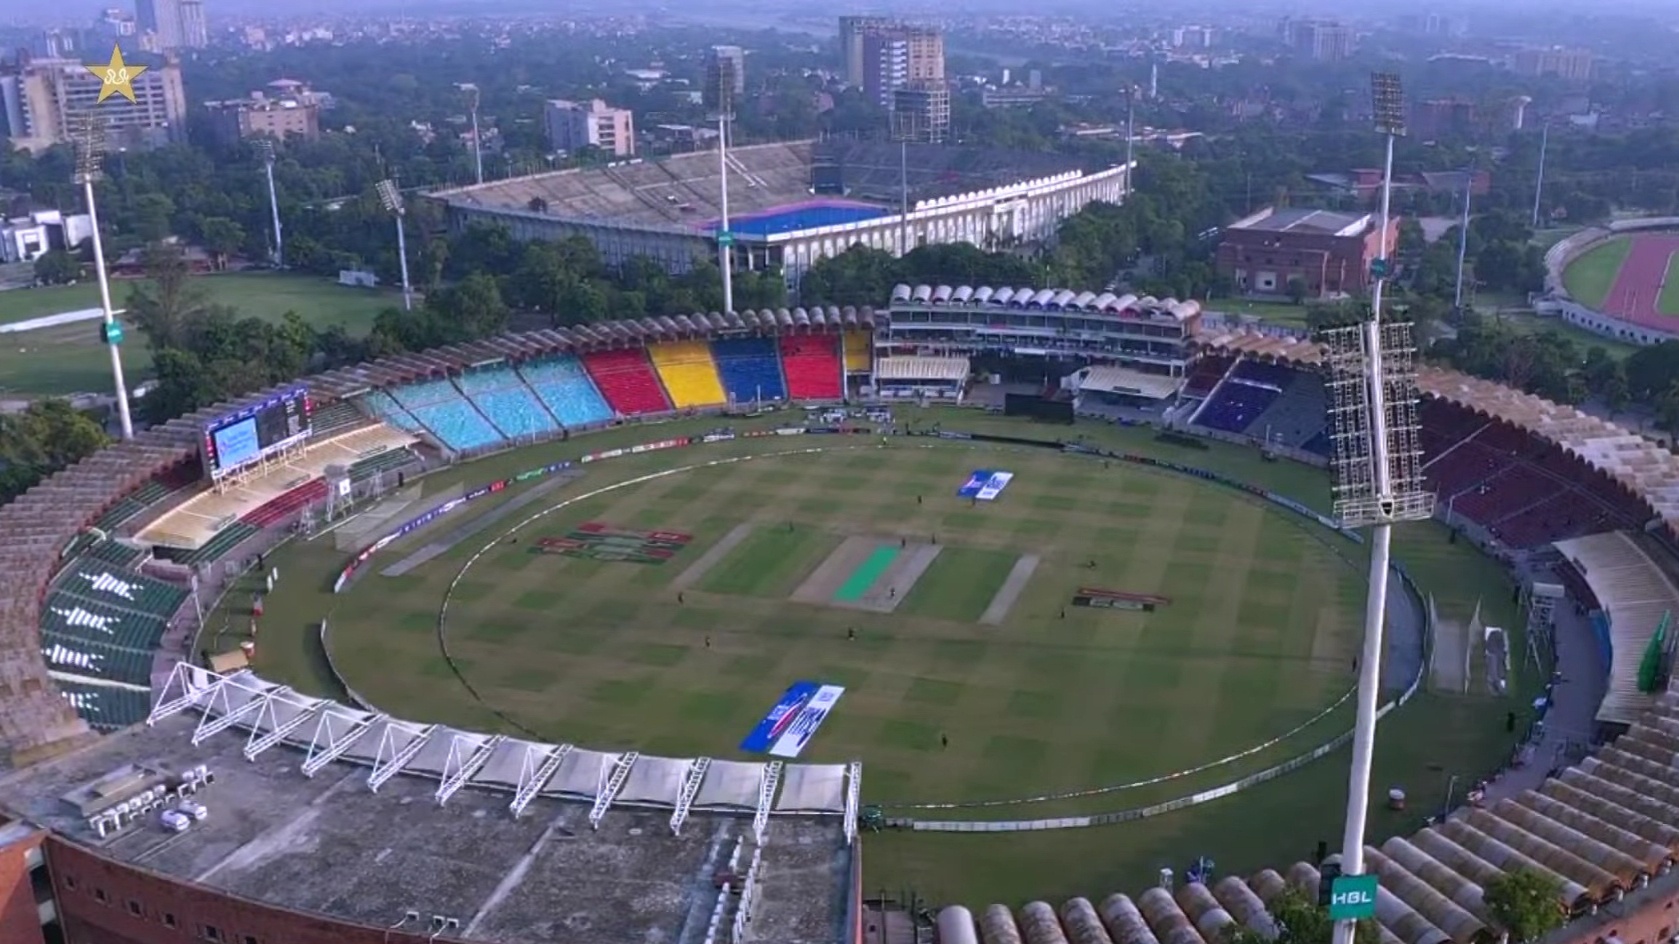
116	77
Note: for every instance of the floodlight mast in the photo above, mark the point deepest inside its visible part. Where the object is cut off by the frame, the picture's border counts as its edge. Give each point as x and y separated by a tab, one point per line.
391	197
725	239
472	97
90	154
266	147
1378	470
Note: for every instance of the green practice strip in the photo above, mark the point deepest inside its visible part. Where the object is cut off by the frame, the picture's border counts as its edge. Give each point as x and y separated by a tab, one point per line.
865	575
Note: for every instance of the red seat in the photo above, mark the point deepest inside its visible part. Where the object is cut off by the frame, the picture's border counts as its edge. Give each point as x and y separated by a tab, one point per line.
277	510
813	366
627	381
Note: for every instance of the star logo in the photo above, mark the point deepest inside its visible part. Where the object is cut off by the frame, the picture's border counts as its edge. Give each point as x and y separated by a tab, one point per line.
116	77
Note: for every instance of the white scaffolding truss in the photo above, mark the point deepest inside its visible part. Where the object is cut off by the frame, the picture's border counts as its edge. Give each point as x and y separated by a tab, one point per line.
534	774
337	730
278	727
612	780
853	798
767	783
251	701
188	685
690	786
458	769
396	750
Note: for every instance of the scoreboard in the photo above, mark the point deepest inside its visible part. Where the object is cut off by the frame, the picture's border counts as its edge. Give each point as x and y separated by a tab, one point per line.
239	439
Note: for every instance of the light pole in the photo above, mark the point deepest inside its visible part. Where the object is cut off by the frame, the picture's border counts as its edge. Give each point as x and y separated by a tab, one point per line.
1463	241
1378	470
725	239
90	152
471	91
391	197
1539	183
265	146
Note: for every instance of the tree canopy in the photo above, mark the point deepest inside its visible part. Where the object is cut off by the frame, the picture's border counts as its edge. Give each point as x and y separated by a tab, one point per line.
46	437
1526	903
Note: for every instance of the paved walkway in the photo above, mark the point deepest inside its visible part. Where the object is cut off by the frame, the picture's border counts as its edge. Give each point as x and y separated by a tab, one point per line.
1571	720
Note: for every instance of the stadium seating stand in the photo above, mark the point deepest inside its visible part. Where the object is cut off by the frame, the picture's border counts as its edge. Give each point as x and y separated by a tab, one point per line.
1209	370
749	369
501	395
274	512
689	374
566	389
626	379
452	418
385	407
815	367
859	352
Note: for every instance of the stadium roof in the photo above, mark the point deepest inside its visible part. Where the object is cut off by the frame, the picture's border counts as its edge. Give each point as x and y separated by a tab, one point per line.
327	843
1304	222
1633	589
680	193
1044	299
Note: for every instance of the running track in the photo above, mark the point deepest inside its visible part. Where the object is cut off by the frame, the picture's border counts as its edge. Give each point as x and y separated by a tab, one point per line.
1638	284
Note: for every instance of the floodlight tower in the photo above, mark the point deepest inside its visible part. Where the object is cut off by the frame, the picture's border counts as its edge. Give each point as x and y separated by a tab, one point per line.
1463	241
90	155
472	97
391	197
1539	183
265	147
725	239
1378	470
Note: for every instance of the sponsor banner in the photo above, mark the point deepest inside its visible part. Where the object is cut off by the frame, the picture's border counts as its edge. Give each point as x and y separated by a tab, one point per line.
790	431
780	718
792	740
975	482
994	486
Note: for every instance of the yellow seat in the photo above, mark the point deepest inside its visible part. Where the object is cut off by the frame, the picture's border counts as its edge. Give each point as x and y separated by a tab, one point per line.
859	351
689	373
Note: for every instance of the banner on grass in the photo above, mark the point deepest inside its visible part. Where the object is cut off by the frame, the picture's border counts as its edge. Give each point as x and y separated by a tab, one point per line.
984	485
790	725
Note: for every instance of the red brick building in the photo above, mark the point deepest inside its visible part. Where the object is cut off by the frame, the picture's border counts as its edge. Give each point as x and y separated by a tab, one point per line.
1329	252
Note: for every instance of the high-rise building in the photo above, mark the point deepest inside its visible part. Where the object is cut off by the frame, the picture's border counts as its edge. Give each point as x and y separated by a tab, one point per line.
1322	40
171	24
573	126
921	112
852	29
1443	116
42	98
1573	65
893	58
725	78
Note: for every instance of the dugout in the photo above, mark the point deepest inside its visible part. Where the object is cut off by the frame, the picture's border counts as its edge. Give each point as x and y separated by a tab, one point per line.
920	378
1111	385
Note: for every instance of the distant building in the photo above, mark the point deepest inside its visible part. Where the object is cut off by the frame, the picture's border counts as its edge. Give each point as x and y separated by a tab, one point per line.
1442	117
286	109
171	24
1330	253
1573	65
41	97
921	112
852	29
896	57
1321	40
725	78
27	238
573	126
1014	96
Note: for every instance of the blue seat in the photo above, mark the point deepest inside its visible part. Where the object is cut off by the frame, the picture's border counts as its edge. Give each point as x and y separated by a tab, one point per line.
458	425
501	395
750	369
392	412
566	389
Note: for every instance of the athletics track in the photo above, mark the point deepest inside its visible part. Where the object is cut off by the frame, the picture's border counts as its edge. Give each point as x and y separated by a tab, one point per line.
1637	289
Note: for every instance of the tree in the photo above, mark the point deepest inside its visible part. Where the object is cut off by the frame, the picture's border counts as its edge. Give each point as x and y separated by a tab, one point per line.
1299	921
1297	289
163	307
57	267
46	437
222	238
1525	903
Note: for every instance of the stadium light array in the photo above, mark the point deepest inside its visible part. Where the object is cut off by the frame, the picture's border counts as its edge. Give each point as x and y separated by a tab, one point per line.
90	157
391	198
1377	465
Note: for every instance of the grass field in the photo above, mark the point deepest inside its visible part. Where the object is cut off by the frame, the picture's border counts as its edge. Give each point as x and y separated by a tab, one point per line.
1256	638
1589	277
70	358
1279	313
1668	301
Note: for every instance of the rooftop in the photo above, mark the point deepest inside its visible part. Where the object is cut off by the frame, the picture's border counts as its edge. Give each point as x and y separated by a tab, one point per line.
1308	222
328	844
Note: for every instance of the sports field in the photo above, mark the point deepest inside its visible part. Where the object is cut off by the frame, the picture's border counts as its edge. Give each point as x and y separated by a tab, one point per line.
71	359
1634	277
964	680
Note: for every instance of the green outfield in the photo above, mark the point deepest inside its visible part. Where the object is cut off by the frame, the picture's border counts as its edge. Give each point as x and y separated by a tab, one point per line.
966	679
1589	276
71	358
